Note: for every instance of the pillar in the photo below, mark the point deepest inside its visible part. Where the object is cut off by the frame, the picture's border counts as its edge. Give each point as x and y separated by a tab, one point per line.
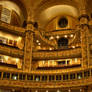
28	44
84	30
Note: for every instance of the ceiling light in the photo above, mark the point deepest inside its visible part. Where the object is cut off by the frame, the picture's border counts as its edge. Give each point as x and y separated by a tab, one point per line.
43	62
19	39
58	90
17	60
51	38
46	90
69	90
73	46
57	36
80	90
65	36
50	48
75	60
15	77
37	41
13	90
71	35
36	90
6	57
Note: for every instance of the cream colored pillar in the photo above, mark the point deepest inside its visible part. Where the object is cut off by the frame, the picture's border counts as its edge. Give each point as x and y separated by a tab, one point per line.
28	44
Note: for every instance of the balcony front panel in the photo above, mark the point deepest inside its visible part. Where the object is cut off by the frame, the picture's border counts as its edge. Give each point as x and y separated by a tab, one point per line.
71	53
11	51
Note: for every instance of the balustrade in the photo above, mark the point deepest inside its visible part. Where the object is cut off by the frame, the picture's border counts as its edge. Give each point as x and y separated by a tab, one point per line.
61	77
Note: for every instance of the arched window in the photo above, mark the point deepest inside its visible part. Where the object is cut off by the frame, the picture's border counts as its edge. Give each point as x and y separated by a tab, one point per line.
6	15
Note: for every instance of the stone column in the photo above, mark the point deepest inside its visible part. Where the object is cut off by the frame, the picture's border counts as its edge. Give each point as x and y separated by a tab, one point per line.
84	30
28	44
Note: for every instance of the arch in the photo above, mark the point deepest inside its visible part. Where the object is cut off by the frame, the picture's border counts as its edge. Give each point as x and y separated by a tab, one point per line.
15	5
48	4
57	10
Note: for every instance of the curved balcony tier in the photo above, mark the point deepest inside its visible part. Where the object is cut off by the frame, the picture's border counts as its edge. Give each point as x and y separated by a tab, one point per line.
12	29
11	51
70	53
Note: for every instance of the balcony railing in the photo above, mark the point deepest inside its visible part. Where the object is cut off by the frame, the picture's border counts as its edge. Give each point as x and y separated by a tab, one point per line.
12	29
11	51
32	80
70	53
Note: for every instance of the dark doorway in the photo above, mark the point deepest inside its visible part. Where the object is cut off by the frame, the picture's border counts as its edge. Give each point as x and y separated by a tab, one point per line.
63	43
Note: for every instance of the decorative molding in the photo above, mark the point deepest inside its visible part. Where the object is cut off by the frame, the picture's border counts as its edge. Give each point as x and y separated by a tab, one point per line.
84	16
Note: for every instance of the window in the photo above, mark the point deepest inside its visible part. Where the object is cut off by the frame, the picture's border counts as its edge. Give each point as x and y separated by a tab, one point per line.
6	15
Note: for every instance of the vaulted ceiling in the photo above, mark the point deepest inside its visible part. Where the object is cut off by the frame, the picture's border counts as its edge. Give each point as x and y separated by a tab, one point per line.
44	10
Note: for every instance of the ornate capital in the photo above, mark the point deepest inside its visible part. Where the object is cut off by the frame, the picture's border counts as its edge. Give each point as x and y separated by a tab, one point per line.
83	25
84	16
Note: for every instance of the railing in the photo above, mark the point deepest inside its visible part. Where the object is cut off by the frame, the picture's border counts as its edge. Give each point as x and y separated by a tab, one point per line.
76	52
64	32
32	80
11	51
42	37
12	29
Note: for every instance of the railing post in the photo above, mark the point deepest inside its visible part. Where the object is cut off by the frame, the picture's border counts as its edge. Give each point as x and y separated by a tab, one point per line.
26	77
10	76
2	75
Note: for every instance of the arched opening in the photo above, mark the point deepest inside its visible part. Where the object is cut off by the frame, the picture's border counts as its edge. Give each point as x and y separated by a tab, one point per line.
11	13
63	43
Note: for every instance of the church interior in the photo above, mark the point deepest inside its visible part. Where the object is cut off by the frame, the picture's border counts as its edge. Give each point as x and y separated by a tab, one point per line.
45	46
